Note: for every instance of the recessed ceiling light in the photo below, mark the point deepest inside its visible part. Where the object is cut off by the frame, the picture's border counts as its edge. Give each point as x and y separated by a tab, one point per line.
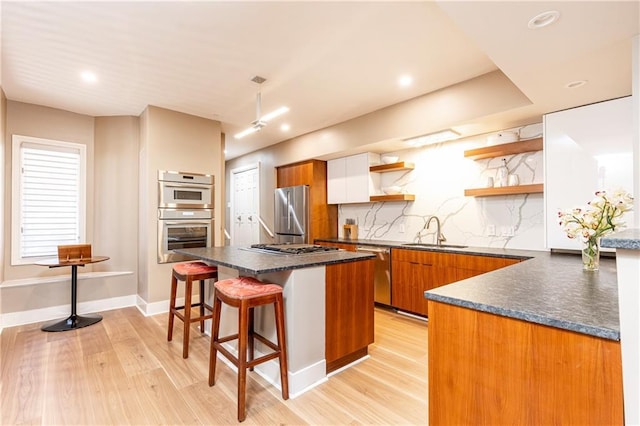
543	19
285	127
88	77
575	84
405	81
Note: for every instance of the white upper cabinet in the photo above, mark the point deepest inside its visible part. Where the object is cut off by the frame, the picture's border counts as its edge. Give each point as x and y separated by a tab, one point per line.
348	179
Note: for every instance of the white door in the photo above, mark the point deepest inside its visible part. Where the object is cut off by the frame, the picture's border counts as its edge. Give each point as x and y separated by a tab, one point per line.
245	206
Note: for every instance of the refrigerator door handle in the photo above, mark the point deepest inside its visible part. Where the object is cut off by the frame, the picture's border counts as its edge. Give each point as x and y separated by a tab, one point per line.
289	210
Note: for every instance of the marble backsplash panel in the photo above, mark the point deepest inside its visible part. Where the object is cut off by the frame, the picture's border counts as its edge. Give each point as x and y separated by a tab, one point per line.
439	179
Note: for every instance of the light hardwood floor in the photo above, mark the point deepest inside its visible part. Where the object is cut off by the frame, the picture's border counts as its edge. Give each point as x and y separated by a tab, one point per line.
123	371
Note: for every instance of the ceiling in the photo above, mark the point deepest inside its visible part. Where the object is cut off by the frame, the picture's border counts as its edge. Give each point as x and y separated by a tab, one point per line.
327	61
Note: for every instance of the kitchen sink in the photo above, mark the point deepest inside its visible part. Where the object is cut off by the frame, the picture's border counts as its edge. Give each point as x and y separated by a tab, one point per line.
433	245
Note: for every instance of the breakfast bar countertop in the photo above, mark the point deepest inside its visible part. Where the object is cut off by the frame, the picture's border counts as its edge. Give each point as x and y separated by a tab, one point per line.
254	262
545	288
629	239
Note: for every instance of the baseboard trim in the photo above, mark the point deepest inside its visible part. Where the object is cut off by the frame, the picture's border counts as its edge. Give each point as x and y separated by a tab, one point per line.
300	381
12	319
162	307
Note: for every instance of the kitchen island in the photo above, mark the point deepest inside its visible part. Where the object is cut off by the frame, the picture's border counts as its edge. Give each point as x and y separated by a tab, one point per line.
328	298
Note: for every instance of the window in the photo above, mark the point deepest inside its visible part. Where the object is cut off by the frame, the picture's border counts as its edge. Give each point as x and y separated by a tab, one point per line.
48	197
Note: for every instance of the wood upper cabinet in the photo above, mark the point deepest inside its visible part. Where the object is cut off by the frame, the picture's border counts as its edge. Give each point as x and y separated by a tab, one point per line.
323	217
298	173
414	271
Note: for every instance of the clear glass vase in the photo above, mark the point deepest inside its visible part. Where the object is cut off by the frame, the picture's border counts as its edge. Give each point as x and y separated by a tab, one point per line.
591	255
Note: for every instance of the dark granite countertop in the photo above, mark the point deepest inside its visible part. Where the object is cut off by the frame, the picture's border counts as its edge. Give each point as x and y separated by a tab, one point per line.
480	251
628	239
548	288
255	263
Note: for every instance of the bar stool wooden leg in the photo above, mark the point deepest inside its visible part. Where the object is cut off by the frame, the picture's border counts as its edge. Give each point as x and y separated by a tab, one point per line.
202	306
215	334
187	317
284	380
172	306
188	273
250	336
243	332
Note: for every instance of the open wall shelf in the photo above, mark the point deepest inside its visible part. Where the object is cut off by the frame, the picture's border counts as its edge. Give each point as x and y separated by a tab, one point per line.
394	197
505	149
505	190
391	167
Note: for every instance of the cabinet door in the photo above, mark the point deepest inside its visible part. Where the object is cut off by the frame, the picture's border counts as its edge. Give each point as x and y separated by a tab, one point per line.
433	276
414	272
336	185
295	174
349	312
348	179
357	178
404	286
468	266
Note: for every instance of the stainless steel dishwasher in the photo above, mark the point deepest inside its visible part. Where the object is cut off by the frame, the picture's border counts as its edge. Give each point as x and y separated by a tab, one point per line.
382	273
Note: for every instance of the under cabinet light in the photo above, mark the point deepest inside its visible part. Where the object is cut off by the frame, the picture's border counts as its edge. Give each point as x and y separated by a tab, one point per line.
431	138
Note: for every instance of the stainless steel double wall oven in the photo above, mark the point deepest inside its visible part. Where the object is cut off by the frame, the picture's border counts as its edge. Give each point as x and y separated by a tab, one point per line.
185	213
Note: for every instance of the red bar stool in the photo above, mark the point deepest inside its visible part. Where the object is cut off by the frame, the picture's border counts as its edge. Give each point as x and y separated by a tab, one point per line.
245	293
189	272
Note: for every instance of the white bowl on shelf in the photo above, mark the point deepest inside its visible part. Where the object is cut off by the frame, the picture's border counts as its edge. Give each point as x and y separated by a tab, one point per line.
502	137
392	190
388	159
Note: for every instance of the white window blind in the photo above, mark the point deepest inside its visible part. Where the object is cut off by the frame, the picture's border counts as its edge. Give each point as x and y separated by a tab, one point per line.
50	196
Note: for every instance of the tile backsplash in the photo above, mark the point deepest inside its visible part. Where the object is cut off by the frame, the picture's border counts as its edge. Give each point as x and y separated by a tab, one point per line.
439	179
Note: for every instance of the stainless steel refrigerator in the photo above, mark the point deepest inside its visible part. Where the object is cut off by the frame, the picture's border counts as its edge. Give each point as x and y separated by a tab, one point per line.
292	214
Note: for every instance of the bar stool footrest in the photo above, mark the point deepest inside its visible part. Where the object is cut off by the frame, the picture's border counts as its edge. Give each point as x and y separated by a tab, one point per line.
266	342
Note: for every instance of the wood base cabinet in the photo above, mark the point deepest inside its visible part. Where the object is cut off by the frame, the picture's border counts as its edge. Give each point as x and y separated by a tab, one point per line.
414	271
485	369
349	312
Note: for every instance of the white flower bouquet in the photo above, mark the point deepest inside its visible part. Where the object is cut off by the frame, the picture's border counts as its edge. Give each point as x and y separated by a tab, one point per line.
602	217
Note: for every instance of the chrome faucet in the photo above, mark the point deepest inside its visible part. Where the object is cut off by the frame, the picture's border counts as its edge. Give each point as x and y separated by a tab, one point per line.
439	235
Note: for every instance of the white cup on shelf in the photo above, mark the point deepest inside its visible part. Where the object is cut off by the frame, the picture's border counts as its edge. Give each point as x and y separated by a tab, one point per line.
513	180
488	182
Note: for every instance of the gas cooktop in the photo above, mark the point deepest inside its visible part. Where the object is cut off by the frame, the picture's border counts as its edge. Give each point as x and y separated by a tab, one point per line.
291	248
